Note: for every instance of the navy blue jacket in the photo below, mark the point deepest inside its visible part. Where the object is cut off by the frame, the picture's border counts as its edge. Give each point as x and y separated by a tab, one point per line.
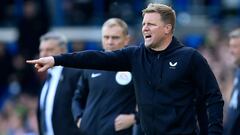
102	96
165	82
232	124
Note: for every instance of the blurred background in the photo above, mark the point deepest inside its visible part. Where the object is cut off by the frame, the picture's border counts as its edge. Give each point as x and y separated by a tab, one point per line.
202	24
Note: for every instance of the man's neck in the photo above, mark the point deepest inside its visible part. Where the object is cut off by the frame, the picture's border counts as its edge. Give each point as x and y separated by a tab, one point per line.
164	44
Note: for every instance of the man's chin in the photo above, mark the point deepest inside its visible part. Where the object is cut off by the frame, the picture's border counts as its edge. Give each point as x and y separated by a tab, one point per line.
148	45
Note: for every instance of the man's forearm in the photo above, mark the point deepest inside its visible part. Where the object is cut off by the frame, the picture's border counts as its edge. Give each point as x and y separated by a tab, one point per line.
93	60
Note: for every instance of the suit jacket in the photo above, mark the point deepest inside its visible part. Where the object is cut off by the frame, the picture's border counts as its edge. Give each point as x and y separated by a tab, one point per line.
232	123
62	119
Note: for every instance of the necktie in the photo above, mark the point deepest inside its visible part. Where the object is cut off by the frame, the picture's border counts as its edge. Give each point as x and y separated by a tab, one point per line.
43	110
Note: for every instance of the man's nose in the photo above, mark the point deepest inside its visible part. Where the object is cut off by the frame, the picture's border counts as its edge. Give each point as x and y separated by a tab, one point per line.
145	28
109	41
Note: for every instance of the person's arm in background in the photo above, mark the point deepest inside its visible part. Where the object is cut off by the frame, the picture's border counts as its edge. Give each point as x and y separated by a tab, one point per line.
124	121
207	87
137	130
79	99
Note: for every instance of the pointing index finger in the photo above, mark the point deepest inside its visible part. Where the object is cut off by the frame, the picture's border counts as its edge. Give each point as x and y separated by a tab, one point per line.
32	61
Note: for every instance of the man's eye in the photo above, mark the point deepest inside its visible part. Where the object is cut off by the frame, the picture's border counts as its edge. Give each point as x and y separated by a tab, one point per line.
115	37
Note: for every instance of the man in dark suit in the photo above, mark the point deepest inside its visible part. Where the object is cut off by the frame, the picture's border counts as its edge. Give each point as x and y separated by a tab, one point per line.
54	111
232	123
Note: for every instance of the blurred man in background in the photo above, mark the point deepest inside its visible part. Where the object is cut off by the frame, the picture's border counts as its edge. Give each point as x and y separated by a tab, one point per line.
54	113
231	126
109	96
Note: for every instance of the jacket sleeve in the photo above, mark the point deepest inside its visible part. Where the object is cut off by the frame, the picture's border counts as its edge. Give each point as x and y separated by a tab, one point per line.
80	98
91	59
208	88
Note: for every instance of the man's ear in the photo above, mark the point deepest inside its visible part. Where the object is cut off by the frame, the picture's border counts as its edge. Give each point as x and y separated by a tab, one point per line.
128	38
168	28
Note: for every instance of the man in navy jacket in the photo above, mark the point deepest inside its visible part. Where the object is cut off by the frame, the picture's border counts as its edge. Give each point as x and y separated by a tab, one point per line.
231	126
105	103
166	75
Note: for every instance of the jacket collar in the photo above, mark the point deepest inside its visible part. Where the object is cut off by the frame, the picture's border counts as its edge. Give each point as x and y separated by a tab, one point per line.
175	44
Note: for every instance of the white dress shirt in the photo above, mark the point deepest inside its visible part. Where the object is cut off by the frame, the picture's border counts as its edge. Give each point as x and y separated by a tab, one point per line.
56	75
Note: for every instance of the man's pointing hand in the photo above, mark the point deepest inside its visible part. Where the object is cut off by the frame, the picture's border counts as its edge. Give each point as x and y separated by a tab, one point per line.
42	64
